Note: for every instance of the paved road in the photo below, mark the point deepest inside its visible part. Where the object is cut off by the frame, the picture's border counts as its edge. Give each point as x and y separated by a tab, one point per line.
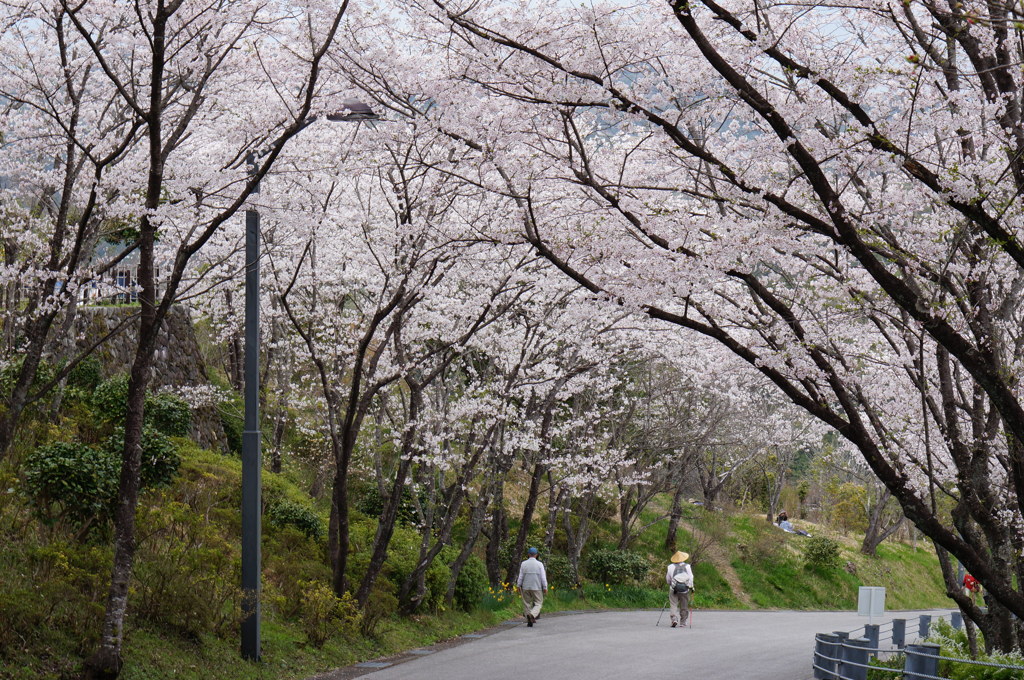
626	645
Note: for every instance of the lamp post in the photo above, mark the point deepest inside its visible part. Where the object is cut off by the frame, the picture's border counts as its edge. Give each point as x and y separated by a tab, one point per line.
352	111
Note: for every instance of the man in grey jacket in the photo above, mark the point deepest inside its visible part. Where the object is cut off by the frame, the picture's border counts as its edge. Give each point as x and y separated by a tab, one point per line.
532	583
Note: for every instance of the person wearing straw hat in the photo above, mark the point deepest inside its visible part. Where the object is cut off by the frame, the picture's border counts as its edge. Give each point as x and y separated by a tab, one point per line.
532	583
679	578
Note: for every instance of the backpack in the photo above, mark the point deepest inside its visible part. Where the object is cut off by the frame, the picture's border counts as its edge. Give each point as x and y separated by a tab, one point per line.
679	584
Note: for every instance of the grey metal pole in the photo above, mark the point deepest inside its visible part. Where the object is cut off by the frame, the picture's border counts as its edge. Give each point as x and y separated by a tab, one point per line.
924	626
251	455
819	648
252	463
854	664
899	633
826	649
921	661
957	620
871	633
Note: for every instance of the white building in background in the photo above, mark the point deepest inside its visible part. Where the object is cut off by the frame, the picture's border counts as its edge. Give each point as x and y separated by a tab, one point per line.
120	285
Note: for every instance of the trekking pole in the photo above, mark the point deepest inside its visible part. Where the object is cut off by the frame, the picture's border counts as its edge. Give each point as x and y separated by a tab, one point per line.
660	615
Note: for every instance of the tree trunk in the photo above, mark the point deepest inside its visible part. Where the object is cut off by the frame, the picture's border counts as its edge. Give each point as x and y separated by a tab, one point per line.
875	533
340	545
385	530
554	500
526	523
106	662
476	522
36	332
499	529
234	358
675	515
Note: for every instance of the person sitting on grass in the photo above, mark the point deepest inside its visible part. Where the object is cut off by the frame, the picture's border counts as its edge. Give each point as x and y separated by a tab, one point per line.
787	526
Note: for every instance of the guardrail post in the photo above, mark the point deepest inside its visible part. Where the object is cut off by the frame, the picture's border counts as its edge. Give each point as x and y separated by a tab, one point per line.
854	664
957	620
825	650
899	633
871	633
924	626
921	661
823	643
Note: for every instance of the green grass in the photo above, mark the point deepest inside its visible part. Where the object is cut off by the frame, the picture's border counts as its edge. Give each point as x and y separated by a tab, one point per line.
151	654
53	588
772	569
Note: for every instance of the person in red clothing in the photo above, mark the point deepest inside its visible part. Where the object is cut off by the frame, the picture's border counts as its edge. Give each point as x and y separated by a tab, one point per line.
971	587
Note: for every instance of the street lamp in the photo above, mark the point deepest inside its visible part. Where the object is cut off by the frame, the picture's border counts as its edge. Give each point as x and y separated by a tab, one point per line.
351	111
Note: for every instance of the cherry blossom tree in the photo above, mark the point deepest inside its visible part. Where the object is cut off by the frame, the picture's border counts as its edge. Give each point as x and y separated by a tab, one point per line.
185	90
828	192
64	131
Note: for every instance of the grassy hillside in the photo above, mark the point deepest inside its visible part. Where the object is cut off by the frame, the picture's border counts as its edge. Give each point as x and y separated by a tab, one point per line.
185	601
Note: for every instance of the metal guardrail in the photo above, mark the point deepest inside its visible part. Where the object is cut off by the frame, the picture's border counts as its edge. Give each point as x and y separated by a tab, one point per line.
846	655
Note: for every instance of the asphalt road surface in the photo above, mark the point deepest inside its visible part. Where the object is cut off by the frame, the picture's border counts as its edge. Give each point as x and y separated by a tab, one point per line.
621	645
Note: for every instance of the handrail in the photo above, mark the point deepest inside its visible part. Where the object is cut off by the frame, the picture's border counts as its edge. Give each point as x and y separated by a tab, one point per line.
850	660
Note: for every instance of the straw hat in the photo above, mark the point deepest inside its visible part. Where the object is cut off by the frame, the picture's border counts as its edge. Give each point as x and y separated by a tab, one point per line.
680	556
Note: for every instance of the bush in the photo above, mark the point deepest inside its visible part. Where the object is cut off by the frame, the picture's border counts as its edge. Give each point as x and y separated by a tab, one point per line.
233	427
51	592
471	584
187	571
765	548
615	566
165	412
73	481
954	644
86	375
290	559
507	556
45	372
110	399
168	413
559	571
324	613
371	504
285	513
160	458
821	553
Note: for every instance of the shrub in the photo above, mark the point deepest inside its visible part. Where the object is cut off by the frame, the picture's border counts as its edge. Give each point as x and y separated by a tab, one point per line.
160	458
73	481
290	559
615	566
765	547
165	412
85	375
187	572
324	613
559	571
233	427
954	644
471	584
508	557
51	591
381	604
168	413
371	504
821	553
45	372
110	398
286	513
